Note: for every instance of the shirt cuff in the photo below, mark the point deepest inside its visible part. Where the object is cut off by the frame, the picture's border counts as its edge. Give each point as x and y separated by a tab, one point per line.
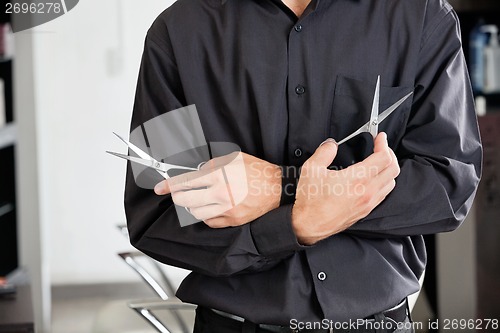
273	234
289	180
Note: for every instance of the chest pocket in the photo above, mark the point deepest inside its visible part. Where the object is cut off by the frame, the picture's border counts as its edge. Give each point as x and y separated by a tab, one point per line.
351	109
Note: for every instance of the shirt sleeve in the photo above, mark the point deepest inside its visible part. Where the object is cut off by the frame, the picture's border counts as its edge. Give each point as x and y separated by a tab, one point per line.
440	153
152	220
273	231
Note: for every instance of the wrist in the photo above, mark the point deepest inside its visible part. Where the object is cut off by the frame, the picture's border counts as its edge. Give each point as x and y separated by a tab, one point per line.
298	227
277	184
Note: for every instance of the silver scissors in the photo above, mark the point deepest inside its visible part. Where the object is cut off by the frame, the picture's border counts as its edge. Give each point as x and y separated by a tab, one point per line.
375	118
147	160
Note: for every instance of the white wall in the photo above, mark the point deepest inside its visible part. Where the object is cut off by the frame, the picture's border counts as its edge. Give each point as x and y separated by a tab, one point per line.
86	64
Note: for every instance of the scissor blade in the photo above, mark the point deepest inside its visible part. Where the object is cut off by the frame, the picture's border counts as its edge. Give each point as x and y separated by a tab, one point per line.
158	166
360	130
134	159
138	160
392	108
381	118
136	149
373	125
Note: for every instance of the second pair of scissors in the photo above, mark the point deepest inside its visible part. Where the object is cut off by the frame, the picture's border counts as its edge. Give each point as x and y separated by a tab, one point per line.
147	160
375	118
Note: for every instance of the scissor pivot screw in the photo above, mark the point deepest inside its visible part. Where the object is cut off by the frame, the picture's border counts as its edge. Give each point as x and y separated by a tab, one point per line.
157	165
374	123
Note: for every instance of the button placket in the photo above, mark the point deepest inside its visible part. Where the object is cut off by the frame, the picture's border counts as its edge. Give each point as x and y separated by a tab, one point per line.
297	91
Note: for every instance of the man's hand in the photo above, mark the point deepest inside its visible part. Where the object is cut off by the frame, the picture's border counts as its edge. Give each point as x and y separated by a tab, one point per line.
330	201
227	191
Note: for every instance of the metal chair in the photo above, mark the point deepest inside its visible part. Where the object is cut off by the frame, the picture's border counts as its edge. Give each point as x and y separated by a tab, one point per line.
164	313
166	292
181	314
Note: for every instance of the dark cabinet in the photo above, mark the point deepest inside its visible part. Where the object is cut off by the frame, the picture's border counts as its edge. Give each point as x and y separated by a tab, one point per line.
483	276
16	313
8	214
487	218
487	202
8	227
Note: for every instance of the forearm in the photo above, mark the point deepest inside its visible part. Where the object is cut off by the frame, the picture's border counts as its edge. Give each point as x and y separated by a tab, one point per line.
440	152
430	197
155	229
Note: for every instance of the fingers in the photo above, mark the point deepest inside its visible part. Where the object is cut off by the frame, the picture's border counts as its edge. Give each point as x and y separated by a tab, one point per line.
209	174
387	178
206	203
201	197
189	181
377	172
380	142
221	161
162	188
195	180
384	182
209	212
388	188
395	163
325	153
193	198
381	157
392	170
217	222
205	193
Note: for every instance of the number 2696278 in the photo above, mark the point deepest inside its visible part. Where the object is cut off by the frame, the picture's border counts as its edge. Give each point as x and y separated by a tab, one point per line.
33	8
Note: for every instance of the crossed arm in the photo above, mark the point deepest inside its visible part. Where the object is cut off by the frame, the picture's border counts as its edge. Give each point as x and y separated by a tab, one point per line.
327	201
429	188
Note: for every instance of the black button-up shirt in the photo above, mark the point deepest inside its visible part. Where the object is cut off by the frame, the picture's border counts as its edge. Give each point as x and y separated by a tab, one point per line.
278	86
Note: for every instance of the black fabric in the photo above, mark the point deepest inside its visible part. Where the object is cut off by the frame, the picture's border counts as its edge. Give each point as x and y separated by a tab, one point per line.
273	84
207	321
289	180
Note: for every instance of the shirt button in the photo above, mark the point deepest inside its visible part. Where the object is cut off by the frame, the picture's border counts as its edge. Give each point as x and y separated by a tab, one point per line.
298	27
322	276
298	152
299	90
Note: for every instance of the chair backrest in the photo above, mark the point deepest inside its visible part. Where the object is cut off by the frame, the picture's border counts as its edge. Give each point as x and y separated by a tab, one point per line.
153	274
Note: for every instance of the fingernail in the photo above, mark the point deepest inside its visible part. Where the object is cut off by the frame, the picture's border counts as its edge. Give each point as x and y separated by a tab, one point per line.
328	140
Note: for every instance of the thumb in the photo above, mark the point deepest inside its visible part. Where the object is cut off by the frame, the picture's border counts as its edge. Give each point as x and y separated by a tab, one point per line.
325	153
